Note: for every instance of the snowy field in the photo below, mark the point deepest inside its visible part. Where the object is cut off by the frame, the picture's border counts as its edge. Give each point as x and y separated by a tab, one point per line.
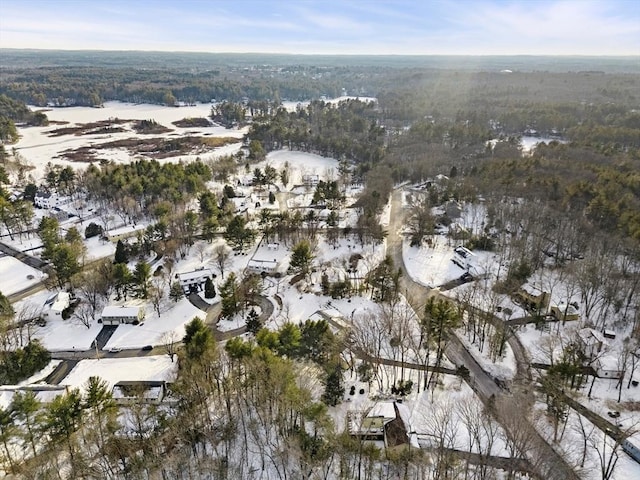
301	163
293	106
114	370
16	276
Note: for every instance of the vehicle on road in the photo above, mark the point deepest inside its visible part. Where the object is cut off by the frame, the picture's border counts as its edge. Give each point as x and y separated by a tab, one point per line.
115	350
146	348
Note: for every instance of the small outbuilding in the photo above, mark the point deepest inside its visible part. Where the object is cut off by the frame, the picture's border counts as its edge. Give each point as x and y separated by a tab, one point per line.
147	391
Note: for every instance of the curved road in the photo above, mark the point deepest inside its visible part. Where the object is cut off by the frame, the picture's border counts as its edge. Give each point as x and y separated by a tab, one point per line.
550	465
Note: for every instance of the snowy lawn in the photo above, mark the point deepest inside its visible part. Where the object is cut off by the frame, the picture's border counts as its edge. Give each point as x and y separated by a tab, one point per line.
170	322
67	335
16	276
114	370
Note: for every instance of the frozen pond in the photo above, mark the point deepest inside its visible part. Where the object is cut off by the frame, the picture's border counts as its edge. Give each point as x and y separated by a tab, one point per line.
38	148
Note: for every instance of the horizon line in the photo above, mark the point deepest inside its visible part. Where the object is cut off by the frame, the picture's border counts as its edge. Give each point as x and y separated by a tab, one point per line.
323	54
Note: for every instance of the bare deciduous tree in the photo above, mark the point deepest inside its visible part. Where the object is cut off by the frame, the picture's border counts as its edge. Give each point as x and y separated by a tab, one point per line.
170	341
222	258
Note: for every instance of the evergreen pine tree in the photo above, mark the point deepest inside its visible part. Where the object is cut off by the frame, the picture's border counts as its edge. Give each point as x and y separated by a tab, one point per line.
334	388
121	253
176	292
209	288
253	322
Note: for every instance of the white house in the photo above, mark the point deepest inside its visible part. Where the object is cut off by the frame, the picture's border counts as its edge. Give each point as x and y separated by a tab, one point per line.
124	232
194	281
116	315
259	266
55	305
607	366
49	200
463	257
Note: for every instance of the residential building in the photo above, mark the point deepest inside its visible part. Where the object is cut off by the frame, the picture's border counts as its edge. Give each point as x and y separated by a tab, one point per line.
55	305
124	232
532	298
147	391
463	257
386	424
117	315
193	282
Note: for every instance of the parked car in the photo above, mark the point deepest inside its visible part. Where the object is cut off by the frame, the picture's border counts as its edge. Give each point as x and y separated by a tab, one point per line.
146	348
115	350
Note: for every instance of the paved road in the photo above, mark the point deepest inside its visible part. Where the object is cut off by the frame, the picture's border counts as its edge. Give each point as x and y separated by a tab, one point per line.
548	463
214	310
23	257
503	463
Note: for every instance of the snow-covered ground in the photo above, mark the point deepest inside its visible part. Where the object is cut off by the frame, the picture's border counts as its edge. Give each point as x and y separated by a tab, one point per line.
301	163
37	148
16	276
156	329
114	370
292	106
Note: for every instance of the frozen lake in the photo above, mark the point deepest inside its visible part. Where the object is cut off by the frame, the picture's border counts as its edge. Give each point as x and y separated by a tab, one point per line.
38	148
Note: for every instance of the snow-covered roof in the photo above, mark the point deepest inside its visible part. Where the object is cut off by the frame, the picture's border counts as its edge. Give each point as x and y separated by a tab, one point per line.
195	274
567	310
43	393
589	335
125	230
382	409
609	362
120	311
531	289
58	302
464	252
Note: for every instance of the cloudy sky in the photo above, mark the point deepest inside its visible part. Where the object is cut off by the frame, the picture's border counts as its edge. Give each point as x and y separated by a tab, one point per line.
465	27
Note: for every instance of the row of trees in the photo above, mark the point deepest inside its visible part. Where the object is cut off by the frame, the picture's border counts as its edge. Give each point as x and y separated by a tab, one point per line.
14	111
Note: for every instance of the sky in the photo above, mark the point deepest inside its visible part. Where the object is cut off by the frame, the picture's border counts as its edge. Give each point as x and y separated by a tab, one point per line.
403	27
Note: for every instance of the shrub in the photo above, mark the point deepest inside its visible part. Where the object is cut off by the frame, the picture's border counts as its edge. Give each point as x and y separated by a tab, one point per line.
92	230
